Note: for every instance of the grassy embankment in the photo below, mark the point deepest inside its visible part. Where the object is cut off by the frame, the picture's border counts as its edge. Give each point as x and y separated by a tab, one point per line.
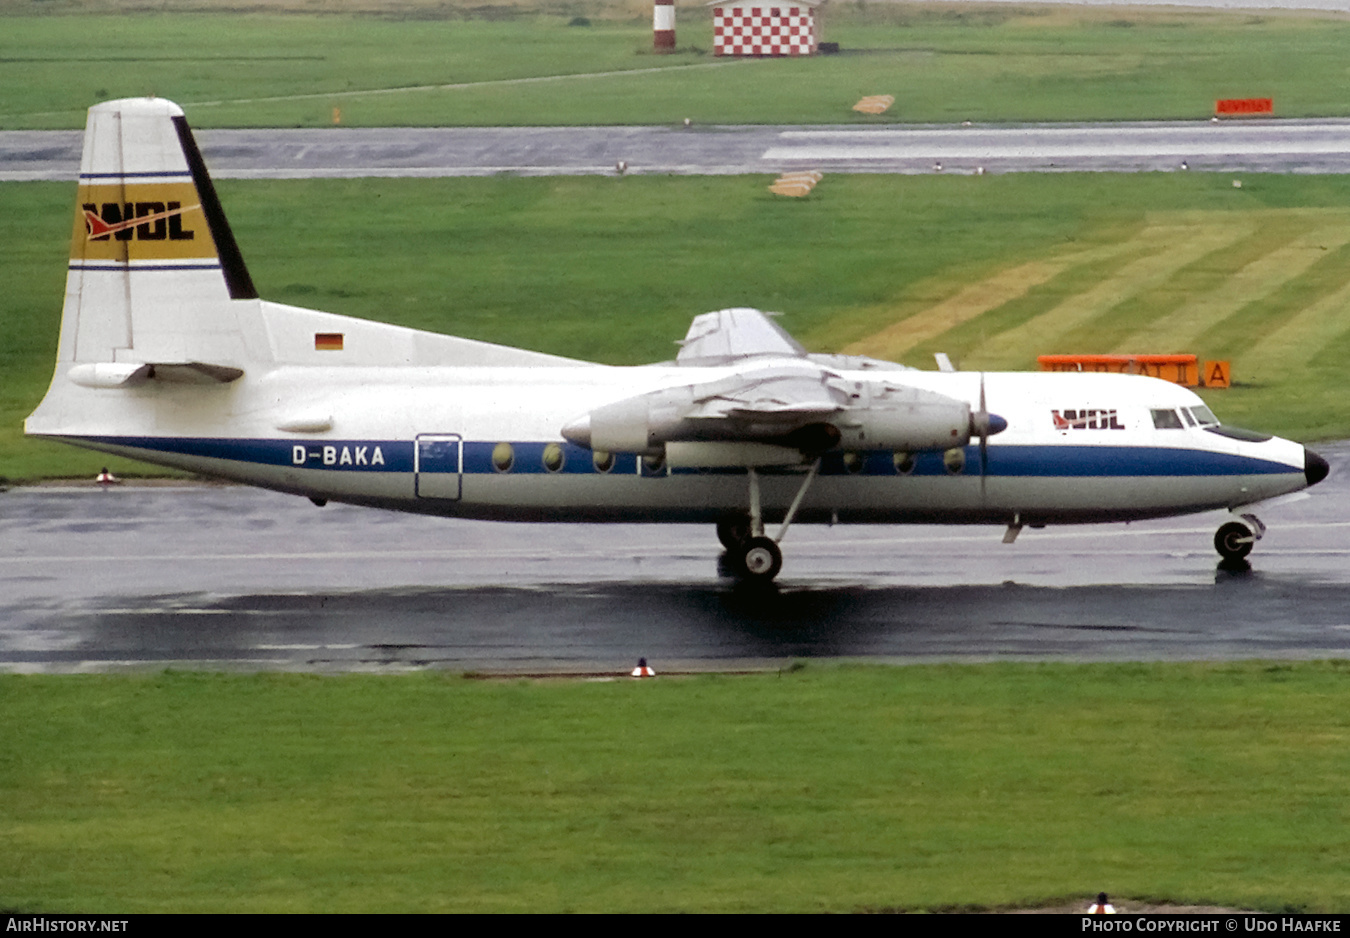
825	789
942	62
992	270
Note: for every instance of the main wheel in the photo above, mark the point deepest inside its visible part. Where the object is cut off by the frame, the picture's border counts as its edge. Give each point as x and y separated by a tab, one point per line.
733	531
759	559
1234	540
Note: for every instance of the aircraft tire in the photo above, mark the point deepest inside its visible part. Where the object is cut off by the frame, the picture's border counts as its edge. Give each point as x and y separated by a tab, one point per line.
733	531
1234	540
759	560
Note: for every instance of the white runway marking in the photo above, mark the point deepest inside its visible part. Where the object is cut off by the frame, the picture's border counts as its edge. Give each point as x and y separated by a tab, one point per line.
1050	143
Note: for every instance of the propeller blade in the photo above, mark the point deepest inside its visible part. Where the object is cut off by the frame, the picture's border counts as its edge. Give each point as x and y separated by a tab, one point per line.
984	425
984	438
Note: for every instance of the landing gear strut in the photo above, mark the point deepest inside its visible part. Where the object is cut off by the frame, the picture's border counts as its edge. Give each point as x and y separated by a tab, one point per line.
754	557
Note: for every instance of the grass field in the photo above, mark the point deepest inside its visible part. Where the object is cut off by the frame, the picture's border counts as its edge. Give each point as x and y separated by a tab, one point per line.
824	789
992	270
387	63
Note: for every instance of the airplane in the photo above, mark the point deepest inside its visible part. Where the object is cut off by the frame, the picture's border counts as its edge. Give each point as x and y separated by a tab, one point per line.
167	354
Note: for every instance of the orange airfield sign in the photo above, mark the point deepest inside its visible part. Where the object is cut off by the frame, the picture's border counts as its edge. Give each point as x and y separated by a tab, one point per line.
1179	369
1242	107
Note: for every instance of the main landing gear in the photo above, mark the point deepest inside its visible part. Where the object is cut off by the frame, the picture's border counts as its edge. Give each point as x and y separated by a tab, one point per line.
1235	540
752	556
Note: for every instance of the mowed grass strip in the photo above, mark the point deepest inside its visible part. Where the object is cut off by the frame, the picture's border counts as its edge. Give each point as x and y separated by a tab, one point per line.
834	788
1318	325
995	291
1247	327
1164	250
975	343
1170	315
1206	311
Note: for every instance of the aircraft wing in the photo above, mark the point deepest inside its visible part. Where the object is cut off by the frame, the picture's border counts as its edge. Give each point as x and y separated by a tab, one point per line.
778	396
788	395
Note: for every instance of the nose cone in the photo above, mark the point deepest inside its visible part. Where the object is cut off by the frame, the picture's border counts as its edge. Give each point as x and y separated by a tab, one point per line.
1315	468
579	431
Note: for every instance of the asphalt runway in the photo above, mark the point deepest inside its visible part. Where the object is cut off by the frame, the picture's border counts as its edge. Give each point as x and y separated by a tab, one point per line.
222	576
1283	146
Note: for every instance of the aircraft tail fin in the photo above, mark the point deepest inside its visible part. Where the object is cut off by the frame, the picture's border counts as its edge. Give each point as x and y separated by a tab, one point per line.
155	272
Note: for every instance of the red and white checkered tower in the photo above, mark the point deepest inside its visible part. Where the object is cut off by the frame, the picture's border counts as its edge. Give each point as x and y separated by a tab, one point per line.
765	27
663	26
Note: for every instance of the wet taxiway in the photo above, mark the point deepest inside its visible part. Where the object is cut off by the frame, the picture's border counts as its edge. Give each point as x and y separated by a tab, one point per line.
220	576
1274	146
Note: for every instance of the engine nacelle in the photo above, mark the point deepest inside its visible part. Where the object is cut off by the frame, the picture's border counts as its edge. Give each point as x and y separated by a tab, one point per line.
641	424
907	419
624	427
866	416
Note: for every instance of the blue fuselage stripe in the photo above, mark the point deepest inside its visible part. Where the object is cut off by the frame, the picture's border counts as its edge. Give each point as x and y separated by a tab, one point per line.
1013	461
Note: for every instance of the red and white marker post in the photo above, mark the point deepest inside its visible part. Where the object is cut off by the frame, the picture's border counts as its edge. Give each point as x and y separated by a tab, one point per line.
663	26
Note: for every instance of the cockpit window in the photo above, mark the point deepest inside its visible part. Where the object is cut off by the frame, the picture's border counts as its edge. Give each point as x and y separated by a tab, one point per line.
1190	421
1238	433
1204	416
1167	420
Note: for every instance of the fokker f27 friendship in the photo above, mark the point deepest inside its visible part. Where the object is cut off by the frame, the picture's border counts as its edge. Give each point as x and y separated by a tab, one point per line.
168	355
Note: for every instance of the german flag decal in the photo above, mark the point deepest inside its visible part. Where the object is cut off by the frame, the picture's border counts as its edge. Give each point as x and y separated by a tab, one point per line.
328	341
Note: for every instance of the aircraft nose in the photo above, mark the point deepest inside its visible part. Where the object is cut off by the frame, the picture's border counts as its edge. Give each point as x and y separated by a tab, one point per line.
1315	468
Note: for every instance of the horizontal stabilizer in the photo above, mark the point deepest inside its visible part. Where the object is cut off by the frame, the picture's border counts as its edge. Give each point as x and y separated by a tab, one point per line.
728	335
128	374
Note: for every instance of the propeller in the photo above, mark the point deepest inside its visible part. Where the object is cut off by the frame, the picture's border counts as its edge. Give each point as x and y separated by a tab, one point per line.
984	425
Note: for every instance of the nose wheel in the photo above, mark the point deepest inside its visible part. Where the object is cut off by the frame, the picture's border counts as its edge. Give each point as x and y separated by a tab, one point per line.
1235	540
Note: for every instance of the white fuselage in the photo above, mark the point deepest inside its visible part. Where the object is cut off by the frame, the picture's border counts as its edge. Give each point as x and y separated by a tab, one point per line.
1077	448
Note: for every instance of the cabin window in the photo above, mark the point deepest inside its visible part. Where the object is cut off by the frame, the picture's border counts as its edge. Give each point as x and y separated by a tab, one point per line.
503	457
1167	420
653	465
853	462
955	460
553	457
904	462
602	460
